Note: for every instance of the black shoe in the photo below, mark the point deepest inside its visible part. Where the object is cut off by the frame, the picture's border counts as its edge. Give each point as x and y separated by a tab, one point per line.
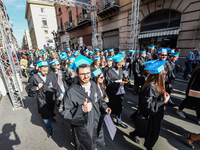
52	119
50	133
134	138
122	125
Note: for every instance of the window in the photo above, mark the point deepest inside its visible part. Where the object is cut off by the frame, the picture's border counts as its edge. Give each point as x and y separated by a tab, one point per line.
44	22
46	31
61	24
59	10
70	16
42	10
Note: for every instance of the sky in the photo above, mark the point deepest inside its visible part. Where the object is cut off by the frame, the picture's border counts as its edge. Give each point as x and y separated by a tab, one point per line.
16	11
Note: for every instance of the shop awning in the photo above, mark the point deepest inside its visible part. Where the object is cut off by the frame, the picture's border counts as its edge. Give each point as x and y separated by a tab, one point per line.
160	32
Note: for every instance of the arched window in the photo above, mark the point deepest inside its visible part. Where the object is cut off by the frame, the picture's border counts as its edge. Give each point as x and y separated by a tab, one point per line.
160	20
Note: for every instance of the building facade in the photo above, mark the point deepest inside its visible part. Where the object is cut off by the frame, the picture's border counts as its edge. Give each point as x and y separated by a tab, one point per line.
41	19
26	41
74	27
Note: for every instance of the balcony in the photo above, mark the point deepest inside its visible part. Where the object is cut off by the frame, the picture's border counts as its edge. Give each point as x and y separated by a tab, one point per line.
108	9
69	25
84	19
61	30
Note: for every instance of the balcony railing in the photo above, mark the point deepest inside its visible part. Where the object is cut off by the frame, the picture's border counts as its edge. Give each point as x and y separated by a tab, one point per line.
61	30
69	25
83	18
108	8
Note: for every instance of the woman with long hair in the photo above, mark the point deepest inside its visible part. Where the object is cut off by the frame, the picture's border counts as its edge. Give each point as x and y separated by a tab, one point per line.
191	101
103	62
152	103
98	78
96	63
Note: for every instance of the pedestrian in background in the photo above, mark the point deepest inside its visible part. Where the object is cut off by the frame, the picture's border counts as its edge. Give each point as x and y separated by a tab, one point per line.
190	58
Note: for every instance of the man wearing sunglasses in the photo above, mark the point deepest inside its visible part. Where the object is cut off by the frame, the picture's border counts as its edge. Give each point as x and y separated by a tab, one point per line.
163	56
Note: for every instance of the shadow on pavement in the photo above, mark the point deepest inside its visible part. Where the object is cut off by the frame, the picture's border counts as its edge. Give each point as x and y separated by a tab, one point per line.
5	141
62	131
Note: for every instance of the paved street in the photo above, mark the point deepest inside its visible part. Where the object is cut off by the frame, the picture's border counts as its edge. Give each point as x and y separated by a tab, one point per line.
24	129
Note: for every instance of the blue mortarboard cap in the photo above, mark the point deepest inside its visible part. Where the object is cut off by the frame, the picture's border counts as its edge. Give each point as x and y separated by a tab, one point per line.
111	50
118	58
123	52
142	52
76	53
31	54
59	53
171	51
147	63
86	50
96	49
91	53
44	50
105	51
161	50
109	58
131	51
71	58
151	47
96	57
68	49
43	63
56	52
174	54
64	57
39	54
96	73
79	61
156	67
44	54
55	62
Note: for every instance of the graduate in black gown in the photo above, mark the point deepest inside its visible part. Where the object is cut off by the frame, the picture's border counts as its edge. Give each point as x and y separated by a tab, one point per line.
130	60
162	56
98	78
139	69
83	107
96	64
109	62
46	87
152	103
115	79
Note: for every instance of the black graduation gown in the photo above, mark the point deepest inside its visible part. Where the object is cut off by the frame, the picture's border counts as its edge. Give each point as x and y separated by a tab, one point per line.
152	105
139	69
170	75
47	95
86	126
31	62
115	101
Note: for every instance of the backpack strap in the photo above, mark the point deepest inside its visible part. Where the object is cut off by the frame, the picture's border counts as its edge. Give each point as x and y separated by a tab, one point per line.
38	79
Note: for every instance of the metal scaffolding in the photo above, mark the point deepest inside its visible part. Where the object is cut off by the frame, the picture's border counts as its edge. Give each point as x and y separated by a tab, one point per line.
134	24
7	64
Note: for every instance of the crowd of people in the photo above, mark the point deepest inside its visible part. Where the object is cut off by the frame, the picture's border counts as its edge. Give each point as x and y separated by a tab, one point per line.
86	85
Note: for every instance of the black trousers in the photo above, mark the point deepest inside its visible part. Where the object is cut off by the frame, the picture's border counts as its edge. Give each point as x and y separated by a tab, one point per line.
190	102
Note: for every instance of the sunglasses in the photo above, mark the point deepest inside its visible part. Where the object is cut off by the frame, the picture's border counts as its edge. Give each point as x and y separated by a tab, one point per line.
164	55
101	77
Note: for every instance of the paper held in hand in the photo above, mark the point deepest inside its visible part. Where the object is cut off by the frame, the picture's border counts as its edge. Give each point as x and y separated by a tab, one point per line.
110	126
121	90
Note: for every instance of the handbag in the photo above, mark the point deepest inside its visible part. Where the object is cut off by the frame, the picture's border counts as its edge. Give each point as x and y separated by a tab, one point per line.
142	124
193	93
